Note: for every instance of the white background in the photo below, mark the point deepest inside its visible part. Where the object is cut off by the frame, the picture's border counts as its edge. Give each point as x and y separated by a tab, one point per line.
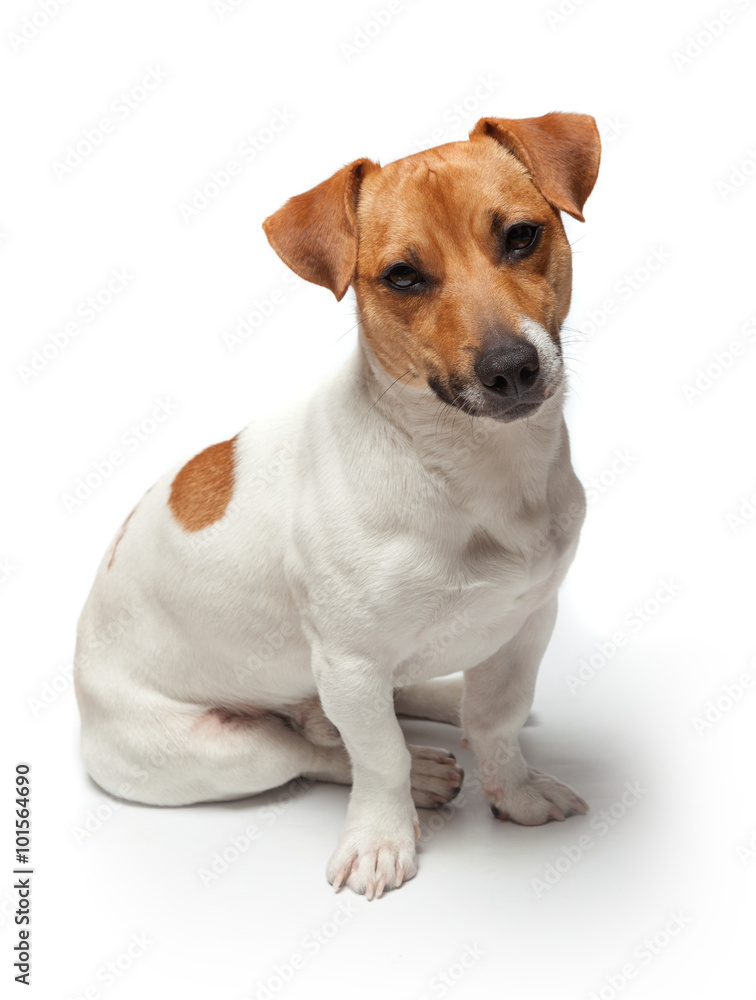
677	181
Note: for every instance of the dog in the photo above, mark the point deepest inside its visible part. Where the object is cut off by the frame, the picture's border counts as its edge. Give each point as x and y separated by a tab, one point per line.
390	543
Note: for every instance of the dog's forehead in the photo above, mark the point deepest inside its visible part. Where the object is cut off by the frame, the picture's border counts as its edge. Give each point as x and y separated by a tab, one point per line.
474	159
445	180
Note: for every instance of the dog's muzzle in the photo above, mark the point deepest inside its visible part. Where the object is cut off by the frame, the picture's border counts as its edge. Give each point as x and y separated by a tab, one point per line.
507	383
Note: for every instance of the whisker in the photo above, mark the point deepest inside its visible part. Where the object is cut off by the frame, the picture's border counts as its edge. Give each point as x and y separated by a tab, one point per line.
347	331
385	391
404	385
456	414
451	406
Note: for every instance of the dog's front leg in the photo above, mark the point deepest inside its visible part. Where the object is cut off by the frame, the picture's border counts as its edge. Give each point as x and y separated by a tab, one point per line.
376	850
497	697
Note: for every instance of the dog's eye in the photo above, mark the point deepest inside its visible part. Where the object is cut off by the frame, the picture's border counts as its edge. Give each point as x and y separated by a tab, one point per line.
521	237
402	276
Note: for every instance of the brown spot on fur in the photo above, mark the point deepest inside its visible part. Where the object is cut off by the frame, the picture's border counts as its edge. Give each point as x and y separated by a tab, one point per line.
233	717
201	491
119	537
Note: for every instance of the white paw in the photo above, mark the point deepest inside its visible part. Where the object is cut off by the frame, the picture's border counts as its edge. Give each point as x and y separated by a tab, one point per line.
537	799
308	718
371	864
435	776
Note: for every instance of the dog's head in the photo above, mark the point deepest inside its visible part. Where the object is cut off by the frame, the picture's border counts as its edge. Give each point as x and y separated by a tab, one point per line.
457	255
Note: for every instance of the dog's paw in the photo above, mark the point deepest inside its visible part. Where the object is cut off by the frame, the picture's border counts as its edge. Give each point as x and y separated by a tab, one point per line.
309	720
435	776
536	800
373	864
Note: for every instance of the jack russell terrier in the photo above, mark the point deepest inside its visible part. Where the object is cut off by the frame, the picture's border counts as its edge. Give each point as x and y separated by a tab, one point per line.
272	605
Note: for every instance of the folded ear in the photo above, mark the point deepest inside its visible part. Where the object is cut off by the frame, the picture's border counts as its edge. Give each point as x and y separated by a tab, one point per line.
561	152
315	233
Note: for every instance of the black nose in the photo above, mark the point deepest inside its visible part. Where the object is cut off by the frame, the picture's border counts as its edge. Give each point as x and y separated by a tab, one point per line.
509	371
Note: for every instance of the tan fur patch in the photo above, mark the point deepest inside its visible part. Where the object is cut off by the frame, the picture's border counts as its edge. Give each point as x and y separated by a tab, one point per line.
437	207
202	490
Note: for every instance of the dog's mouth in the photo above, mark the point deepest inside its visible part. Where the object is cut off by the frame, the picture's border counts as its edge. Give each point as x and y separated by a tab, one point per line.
471	400
518	411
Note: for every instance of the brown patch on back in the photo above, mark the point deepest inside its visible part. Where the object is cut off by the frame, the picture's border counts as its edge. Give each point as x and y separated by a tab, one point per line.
202	490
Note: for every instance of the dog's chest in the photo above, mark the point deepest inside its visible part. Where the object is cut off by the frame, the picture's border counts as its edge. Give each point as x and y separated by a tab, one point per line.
469	605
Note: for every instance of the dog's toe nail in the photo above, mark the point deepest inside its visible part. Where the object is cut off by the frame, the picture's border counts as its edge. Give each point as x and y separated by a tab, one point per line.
495	811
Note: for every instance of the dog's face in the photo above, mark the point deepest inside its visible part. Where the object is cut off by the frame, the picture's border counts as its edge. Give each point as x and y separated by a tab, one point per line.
458	257
463	277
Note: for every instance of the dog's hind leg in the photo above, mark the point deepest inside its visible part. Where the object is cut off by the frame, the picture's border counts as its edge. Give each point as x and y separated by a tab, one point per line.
180	758
439	699
175	757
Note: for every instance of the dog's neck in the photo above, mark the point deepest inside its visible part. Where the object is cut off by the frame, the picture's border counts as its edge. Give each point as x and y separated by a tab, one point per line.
479	458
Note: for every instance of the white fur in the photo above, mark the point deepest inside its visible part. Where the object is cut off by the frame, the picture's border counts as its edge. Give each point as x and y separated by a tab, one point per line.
376	538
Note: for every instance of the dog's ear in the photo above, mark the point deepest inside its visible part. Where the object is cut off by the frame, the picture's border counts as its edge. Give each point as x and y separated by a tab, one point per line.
315	233
561	152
